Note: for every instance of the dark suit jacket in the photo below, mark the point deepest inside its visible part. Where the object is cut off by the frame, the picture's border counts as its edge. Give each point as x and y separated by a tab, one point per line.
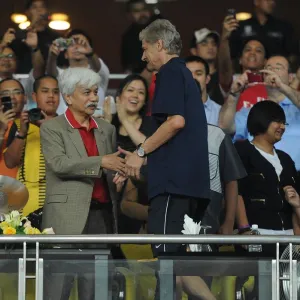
70	174
262	190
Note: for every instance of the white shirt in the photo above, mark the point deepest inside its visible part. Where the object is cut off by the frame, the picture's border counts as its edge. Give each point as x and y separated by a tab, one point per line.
104	75
272	159
212	111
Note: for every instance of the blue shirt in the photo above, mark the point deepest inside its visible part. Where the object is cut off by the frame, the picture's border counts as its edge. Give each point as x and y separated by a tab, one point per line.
212	111
179	166
290	139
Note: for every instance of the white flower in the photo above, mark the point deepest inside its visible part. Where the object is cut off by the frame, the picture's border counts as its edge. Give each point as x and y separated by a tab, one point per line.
27	224
190	227
48	231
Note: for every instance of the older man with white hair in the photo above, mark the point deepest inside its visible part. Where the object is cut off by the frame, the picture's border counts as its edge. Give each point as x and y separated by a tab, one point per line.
78	150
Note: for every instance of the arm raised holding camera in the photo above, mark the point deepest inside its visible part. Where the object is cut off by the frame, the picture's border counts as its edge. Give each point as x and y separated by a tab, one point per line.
51	67
13	155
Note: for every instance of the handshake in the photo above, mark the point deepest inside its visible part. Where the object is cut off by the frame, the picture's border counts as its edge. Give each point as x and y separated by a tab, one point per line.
129	166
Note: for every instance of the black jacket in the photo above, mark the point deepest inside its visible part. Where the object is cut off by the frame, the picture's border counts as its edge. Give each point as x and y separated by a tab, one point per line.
262	190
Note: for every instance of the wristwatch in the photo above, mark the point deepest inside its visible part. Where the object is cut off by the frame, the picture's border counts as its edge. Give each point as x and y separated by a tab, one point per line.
141	151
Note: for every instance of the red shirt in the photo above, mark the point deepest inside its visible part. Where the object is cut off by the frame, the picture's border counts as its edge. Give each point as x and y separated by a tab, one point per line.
151	91
251	96
100	192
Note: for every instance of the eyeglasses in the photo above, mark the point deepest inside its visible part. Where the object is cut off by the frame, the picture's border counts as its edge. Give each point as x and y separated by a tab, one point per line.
275	69
281	122
11	93
9	56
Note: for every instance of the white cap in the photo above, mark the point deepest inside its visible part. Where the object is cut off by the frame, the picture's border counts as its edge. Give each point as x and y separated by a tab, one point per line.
201	35
254	226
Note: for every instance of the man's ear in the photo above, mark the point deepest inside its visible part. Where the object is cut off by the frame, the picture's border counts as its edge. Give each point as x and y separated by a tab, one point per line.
34	97
208	78
291	78
68	99
160	45
193	51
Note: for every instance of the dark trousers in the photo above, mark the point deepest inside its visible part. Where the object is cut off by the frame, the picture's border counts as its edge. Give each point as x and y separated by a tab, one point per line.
166	216
58	286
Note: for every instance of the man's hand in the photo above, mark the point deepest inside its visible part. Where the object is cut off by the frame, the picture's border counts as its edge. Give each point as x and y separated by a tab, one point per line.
84	45
114	162
229	25
24	123
133	163
9	37
5	118
119	181
292	196
31	39
240	83
107	115
40	122
54	49
272	79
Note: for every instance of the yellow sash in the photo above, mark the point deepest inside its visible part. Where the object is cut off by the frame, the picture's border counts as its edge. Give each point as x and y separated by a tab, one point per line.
32	171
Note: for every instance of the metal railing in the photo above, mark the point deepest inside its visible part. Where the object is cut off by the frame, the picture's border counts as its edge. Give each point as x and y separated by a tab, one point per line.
290	275
151	239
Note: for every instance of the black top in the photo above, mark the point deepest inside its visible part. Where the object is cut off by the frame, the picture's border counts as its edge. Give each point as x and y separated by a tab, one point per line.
124	141
213	89
23	52
276	35
262	191
179	166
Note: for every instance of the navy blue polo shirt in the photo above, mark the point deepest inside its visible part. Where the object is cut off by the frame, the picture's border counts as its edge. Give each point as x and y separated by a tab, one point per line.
181	165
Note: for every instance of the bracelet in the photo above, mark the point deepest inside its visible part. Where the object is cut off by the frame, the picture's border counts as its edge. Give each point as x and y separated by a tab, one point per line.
244	226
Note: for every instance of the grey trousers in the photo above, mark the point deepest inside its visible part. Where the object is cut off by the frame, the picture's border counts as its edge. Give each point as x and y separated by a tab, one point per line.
58	285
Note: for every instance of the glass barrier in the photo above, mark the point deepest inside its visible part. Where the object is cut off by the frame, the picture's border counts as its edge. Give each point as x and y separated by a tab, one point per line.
129	272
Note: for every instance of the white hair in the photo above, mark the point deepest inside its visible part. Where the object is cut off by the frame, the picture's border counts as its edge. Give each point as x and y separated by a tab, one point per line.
75	77
163	30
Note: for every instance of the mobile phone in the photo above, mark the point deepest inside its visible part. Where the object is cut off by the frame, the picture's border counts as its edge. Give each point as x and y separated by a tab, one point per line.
231	12
7	104
255	77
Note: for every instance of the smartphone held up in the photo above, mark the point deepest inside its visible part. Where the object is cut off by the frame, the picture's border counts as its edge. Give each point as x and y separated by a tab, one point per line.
6	103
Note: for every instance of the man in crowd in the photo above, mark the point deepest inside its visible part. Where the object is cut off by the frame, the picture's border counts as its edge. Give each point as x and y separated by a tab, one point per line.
8	60
277	79
23	147
178	174
78	151
79	54
276	35
37	13
205	44
200	71
131	48
253	58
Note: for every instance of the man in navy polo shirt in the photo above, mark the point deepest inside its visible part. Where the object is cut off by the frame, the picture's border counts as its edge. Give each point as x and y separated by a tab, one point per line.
178	170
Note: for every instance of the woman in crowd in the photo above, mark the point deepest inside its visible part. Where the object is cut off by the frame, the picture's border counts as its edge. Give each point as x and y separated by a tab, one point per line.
269	195
132	129
130	121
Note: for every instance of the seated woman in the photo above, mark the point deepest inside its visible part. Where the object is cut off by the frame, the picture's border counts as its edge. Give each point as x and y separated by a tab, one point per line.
268	196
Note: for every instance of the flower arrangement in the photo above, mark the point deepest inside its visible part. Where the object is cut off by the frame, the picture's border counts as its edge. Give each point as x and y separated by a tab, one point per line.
14	223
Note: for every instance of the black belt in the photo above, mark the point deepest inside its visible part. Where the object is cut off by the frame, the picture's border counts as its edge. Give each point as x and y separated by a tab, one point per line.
95	204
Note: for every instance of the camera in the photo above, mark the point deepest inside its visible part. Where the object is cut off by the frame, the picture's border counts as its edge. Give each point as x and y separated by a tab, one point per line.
255	78
63	44
231	12
35	114
7	104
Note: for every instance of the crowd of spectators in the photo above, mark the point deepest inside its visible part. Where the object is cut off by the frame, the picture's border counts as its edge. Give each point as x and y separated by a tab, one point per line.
253	113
